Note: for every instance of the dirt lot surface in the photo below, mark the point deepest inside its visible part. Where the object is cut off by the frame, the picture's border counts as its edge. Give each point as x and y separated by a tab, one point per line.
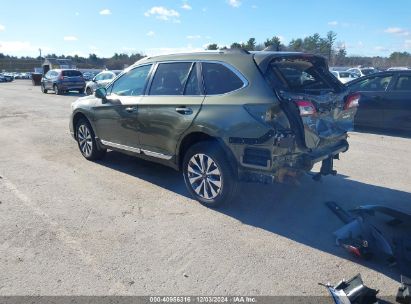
127	226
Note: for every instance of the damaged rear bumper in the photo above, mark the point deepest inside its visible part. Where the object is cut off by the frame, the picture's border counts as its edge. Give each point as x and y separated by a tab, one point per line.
280	168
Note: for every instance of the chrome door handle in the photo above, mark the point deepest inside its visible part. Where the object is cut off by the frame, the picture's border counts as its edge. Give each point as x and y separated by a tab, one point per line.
131	109
184	110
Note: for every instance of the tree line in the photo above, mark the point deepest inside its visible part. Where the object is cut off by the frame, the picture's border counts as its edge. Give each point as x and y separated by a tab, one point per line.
326	46
26	63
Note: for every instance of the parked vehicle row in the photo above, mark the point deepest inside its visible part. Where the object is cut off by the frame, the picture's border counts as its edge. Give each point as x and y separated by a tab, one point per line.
61	81
6	77
221	117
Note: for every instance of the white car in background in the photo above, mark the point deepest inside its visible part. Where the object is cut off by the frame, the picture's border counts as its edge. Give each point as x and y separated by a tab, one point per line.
360	72
100	80
398	69
344	76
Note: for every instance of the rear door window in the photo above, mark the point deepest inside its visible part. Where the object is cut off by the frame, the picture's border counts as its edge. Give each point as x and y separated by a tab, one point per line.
170	78
298	75
372	84
403	83
219	79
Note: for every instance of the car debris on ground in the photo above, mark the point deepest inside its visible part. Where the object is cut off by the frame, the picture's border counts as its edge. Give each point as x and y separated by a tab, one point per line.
374	231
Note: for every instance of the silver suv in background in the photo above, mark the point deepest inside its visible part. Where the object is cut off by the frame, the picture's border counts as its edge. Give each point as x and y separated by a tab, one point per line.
100	80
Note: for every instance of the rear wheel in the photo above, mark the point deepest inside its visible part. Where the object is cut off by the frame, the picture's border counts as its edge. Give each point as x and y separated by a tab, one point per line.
81	91
207	174
87	142
56	90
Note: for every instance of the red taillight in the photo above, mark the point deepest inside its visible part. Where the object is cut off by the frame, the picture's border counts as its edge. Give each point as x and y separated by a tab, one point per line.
306	107
353	101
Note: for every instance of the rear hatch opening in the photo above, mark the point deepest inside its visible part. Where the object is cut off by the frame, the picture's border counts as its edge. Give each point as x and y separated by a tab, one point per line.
316	104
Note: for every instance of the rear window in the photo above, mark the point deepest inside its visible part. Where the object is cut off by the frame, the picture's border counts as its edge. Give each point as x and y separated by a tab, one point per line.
299	75
71	73
403	83
219	79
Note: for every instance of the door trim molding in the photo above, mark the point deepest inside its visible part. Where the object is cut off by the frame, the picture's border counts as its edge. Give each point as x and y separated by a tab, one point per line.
136	150
157	155
119	146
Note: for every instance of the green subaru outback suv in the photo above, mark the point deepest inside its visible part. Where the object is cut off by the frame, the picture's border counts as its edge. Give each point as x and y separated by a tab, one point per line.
221	117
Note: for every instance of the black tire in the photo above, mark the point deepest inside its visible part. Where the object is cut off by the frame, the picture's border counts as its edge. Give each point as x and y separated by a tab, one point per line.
43	89
211	190
56	90
88	147
89	91
81	91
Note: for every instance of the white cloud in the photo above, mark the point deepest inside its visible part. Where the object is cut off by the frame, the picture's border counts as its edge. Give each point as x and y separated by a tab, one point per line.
2	28
397	31
381	49
105	12
333	23
234	3
77	14
70	38
192	37
16	46
129	49
162	13
150	33
254	6
186	6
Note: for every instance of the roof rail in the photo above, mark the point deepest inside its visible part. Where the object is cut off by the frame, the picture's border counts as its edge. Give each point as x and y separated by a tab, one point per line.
236	51
270	48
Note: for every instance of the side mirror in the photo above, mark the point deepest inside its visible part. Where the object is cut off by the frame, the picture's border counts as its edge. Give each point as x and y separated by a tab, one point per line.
94	79
101	93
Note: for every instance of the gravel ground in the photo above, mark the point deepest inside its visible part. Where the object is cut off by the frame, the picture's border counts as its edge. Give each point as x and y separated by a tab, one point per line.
123	226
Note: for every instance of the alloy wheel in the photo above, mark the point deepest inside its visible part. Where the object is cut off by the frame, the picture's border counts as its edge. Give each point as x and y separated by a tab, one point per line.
204	176
84	139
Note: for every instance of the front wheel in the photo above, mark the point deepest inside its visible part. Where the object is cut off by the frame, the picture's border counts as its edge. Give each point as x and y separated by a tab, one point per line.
43	89
208	175
89	91
87	142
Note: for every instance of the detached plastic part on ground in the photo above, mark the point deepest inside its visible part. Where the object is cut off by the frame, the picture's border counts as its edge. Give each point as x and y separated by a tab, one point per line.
376	232
352	291
404	292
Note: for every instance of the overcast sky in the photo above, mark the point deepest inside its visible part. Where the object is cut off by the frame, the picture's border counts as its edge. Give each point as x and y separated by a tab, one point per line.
104	27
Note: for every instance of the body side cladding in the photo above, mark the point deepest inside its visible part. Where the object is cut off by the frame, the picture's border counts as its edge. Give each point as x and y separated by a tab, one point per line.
282	139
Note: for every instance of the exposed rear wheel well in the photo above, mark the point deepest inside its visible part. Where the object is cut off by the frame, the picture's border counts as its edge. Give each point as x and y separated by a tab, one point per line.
197	137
